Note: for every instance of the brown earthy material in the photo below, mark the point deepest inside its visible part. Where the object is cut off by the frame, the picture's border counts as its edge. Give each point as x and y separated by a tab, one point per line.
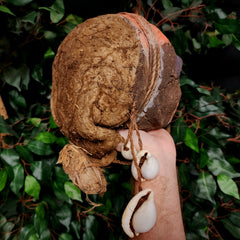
107	69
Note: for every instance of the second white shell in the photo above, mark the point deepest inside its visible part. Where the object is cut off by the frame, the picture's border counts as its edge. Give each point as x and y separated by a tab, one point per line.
149	168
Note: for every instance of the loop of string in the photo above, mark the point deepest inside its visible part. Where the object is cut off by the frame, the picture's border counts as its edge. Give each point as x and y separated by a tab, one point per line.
133	126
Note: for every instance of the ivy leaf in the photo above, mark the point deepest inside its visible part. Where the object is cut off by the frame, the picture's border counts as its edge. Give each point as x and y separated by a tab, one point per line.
204	159
206	187
179	130
18	180
12	77
19	2
52	124
39	148
46	137
215	42
184	175
65	236
227	185
191	140
72	191
32	187
41	170
17	77
34	121
6	10
37	73
56	11
26	232
167	4
64	216
5	128
41	224
3	179
31	17
24	153
219	165
49	53
10	157
227	25
233	229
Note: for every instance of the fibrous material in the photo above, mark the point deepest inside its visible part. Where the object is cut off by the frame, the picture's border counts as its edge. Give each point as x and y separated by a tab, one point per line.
106	70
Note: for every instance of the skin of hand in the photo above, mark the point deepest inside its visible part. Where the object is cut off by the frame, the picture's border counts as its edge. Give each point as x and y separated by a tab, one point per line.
169	224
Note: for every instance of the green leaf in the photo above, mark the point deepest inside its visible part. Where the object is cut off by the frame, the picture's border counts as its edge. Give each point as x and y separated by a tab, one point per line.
219	165
91	228
191	140
39	148
234	217
204	159
64	216
76	227
65	236
3	179
24	153
233	229
6	10
30	17
32	187
46	137
18	180
17	77
196	3
215	42
183	174
41	224
74	19
34	121
12	77
56	11
206	187
167	4
179	130
10	157
37	73
6	229
227	186
208	106
52	124
26	232
41	170
58	189
19	2
49	53
196	44
227	25
233	160
5	128
72	191
17	101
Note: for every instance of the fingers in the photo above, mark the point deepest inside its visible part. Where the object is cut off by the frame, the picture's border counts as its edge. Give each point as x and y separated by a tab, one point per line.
151	140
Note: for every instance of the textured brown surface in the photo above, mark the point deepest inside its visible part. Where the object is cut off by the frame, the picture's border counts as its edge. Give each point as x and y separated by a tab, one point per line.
103	68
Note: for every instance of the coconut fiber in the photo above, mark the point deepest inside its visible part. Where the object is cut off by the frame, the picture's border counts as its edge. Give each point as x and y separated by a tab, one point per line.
111	72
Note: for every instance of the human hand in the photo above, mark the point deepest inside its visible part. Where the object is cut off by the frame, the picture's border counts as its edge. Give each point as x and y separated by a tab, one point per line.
169	225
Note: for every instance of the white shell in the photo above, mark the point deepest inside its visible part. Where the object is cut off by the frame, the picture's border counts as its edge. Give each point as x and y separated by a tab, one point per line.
127	154
150	167
144	218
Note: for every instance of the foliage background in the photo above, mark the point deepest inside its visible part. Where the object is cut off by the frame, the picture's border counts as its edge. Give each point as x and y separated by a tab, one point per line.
37	200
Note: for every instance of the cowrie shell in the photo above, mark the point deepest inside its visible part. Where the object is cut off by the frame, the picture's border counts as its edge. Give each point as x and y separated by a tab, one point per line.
126	151
148	164
140	214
